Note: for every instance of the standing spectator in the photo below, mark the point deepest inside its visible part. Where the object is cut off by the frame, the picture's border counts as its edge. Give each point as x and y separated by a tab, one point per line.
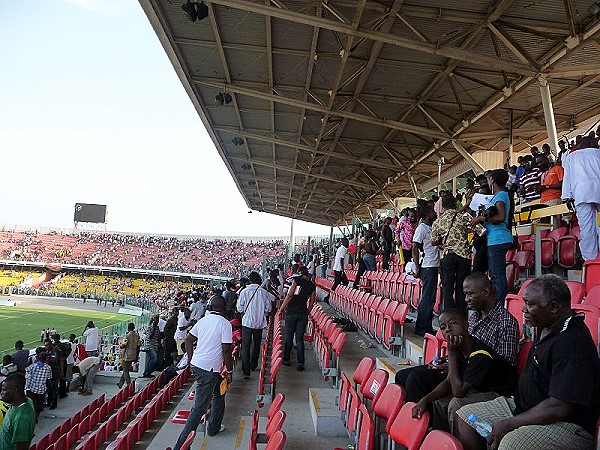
87	370
151	338
498	222
360	253
271	285
297	304
53	385
38	376
183	325
324	262
581	184
552	180
230	298
407	230
71	359
92	339
520	171
62	350
450	233
254	303
531	181
371	248
338	267
18	426
388	242
169	334
213	337
129	352
20	356
426	268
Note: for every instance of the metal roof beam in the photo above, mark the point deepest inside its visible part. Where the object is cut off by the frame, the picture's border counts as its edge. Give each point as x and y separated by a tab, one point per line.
302	172
386	123
445	51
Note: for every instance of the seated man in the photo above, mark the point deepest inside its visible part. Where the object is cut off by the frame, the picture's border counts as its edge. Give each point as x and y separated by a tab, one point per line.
475	372
490	322
557	400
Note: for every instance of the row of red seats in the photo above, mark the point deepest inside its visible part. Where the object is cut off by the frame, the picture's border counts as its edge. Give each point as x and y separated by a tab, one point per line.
142	421
271	360
273	436
69	432
375	413
381	318
328	340
559	246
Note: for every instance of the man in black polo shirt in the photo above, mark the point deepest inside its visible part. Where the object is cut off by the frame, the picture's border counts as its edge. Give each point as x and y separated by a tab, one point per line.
558	395
475	373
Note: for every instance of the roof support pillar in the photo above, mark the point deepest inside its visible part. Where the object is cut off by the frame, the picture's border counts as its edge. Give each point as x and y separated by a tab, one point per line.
413	185
477	168
549	115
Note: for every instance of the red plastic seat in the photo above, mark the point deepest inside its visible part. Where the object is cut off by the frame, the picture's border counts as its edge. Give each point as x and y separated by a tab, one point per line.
431	348
388	404
591	274
275	423
437	440
353	410
44	442
363	370
253	431
366	433
188	441
577	289
407	431
277	441
55	434
514	305
524	259
373	387
61	443
593	297
73	436
181	417
549	245
568	248
276	404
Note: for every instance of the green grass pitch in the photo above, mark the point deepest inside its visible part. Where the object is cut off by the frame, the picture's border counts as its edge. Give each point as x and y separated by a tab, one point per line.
26	323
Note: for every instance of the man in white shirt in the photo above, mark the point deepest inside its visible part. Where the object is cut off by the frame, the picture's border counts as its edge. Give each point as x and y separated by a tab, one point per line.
426	268
255	304
183	325
581	184
92	339
213	337
338	267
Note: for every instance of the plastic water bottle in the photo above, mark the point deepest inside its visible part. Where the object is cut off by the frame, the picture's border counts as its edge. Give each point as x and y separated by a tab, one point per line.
436	361
50	416
483	428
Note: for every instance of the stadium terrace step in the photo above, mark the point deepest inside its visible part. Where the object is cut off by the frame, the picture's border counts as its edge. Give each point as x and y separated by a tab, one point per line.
325	412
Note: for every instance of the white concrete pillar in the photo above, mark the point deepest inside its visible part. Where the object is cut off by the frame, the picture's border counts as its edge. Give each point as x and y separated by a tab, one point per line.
549	115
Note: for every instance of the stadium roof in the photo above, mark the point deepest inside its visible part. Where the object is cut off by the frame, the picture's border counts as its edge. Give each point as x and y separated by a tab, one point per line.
336	104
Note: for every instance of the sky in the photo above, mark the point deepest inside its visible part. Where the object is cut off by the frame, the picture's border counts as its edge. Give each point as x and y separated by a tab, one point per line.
91	111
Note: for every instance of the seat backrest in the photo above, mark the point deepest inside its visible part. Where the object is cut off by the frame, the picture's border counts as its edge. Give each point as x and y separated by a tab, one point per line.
188	441
363	370
344	392
431	348
388	404
275	423
366	433
277	441
593	297
514	305
406	430
437	440
353	410
339	343
577	289
591	274
524	259
276	404
374	385
557	233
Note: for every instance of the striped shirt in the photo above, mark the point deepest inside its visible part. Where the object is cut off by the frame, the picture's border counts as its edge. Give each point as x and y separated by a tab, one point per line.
530	181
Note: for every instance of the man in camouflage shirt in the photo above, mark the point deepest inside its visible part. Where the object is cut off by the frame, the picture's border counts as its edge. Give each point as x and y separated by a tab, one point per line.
450	233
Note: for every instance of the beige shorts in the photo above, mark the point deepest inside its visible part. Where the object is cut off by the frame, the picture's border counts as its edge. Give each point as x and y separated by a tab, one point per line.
556	435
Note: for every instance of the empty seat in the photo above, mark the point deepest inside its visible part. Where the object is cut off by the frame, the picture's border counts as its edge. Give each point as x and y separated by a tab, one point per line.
568	248
277	441
431	348
591	274
593	297
408	431
373	387
363	370
577	289
388	404
275	423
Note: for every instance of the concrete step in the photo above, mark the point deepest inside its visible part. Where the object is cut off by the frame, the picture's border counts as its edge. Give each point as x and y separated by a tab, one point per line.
324	409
